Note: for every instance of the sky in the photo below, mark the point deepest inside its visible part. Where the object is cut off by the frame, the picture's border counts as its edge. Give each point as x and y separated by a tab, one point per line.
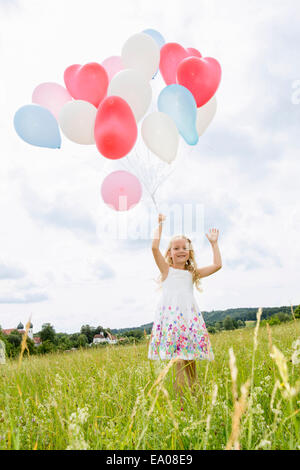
57	262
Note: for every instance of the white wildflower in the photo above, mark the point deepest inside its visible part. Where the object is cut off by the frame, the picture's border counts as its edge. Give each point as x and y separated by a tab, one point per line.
76	437
58	379
296	353
264	444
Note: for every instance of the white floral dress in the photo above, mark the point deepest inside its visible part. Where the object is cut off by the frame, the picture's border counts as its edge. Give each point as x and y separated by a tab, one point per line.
179	329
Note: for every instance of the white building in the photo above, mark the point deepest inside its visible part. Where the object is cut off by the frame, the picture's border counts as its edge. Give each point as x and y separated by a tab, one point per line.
100	338
20	329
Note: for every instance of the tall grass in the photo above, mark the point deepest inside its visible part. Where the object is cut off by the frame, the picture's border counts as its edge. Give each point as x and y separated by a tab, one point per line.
115	398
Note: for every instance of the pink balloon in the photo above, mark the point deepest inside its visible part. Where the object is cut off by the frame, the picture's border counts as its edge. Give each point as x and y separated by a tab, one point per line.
51	96
121	190
194	52
69	78
112	65
88	82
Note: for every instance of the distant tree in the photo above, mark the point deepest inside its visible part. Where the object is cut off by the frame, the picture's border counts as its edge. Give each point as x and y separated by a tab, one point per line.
297	312
82	340
13	344
134	333
46	347
274	320
218	325
74	336
283	317
63	341
88	331
99	329
228	323
14	338
241	324
211	329
48	333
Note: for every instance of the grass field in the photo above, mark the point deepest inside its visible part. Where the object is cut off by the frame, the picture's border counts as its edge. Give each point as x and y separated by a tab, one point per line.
115	398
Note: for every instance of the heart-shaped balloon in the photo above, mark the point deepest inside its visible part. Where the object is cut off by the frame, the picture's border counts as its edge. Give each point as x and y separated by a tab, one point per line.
171	54
87	82
115	128
193	52
201	76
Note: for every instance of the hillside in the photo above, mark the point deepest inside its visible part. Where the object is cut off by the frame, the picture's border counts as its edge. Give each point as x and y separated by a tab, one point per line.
242	313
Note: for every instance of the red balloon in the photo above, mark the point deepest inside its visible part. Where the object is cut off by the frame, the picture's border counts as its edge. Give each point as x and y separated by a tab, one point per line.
201	76
193	52
87	82
171	54
115	128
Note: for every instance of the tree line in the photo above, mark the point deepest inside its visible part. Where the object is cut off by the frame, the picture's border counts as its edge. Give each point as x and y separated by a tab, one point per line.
52	341
230	323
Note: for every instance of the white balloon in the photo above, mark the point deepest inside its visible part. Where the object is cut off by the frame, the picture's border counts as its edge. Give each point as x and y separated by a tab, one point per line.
140	52
133	88
205	115
161	135
77	121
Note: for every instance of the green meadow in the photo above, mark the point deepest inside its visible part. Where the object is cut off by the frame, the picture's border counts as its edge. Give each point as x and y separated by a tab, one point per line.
113	397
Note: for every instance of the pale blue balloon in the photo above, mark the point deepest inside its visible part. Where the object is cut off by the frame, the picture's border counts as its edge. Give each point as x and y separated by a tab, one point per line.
37	126
156	36
179	103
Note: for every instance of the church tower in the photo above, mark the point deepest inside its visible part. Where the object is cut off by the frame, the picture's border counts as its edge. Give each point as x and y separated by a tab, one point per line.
30	331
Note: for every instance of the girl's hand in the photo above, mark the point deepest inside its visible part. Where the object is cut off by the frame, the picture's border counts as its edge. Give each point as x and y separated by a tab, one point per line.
161	218
213	235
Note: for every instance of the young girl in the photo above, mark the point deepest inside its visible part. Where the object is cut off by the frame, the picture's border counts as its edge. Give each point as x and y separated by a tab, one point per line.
178	328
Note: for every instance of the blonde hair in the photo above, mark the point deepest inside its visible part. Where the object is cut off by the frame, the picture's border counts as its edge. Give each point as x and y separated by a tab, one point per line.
190	264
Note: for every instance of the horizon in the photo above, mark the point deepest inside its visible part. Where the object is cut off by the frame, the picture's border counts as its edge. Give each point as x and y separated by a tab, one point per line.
144	324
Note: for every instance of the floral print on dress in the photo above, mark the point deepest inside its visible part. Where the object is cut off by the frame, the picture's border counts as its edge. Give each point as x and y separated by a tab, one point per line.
187	340
179	329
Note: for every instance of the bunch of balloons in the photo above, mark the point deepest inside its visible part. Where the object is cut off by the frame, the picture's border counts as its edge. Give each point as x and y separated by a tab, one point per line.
102	105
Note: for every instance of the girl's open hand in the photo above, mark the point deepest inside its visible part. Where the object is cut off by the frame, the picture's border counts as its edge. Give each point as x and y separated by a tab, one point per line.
161	218
213	235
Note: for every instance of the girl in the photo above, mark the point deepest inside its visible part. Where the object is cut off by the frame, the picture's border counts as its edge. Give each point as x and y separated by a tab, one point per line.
178	328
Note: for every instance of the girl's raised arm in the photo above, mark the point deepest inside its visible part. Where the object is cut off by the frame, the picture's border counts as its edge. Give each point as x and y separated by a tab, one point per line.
159	259
217	261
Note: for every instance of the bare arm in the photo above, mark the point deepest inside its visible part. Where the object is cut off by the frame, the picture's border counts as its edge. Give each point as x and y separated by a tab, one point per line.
217	261
159	259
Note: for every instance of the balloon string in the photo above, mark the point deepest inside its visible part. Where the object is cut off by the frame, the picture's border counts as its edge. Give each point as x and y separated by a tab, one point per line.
150	180
143	181
153	199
